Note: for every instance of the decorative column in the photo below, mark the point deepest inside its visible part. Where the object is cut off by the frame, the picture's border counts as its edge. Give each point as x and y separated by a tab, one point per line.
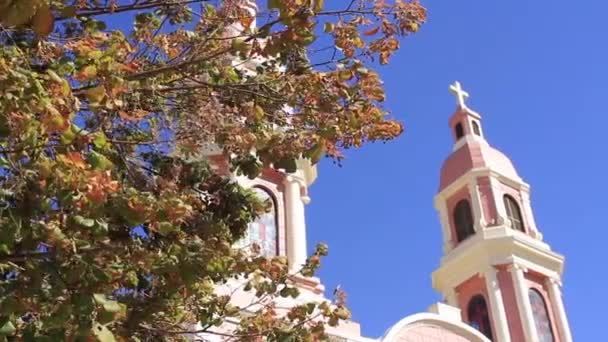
442	209
477	207
295	222
527	211
501	211
523	302
497	306
555	297
451	297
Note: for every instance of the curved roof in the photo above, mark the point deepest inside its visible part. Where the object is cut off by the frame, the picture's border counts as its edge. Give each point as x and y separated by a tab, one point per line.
473	155
434	326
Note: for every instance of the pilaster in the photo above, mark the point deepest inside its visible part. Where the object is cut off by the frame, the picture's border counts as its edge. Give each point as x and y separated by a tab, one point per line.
295	222
442	209
478	215
497	193
523	302
529	216
497	306
557	304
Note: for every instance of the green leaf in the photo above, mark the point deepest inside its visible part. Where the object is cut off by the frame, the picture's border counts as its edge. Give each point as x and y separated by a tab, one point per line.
8	328
99	161
274	4
166	228
86	222
100	140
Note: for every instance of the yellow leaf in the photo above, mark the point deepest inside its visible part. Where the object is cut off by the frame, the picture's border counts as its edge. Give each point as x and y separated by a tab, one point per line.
317	5
96	94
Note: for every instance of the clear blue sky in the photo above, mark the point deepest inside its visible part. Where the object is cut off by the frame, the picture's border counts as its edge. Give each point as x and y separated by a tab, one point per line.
537	71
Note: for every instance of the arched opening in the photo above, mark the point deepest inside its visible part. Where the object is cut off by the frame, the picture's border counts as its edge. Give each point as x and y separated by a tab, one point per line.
478	315
476	128
463	220
513	213
459	130
264	230
541	316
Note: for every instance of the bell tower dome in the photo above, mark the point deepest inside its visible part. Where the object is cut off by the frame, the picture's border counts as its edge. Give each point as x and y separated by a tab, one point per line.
495	267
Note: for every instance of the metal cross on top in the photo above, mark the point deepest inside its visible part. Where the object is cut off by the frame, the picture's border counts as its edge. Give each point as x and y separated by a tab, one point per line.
461	94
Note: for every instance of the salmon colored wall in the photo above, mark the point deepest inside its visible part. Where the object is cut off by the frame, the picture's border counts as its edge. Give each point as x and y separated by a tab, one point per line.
458	163
505	281
537	281
487	200
451	204
470	288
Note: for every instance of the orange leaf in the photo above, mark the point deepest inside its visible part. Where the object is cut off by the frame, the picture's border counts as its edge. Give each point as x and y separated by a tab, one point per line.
134	115
372	31
72	159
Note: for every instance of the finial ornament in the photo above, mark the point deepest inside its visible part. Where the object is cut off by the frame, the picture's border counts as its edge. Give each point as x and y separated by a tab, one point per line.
461	94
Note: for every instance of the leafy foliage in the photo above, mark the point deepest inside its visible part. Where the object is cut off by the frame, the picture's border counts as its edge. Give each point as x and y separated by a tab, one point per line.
113	224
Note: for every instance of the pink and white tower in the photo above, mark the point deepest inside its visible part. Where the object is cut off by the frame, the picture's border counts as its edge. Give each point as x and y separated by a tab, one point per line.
496	268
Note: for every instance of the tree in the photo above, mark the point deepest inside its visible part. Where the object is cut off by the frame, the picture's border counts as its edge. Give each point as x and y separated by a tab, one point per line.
113	225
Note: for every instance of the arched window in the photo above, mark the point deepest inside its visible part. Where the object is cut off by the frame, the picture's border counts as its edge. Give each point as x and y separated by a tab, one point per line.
463	220
459	131
541	316
476	128
513	213
263	231
479	317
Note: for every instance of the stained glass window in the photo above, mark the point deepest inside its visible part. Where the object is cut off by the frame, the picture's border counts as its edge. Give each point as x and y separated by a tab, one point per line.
262	231
463	219
541	316
478	315
514	213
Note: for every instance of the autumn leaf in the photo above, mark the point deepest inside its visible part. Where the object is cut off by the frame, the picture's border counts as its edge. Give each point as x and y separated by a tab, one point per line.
43	21
73	159
372	31
95	94
122	146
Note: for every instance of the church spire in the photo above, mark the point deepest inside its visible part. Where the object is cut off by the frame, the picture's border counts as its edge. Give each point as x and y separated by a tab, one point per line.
465	123
495	268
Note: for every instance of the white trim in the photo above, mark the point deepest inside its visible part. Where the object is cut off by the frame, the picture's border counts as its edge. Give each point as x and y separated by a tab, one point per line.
459	183
557	303
497	306
495	246
414	320
295	222
523	302
529	214
478	215
451	297
497	195
444	219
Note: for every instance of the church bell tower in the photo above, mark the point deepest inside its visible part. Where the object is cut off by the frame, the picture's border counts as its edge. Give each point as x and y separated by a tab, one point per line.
496	267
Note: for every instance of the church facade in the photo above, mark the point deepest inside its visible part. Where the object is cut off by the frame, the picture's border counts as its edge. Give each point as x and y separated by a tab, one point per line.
499	280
